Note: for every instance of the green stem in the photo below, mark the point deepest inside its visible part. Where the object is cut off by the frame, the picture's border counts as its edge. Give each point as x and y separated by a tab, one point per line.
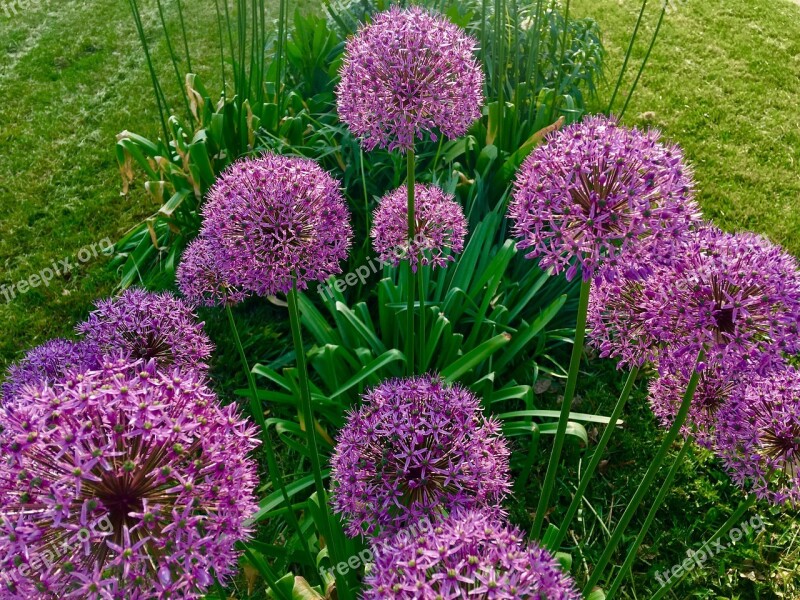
266	572
282	26
561	69
328	530
644	61
662	493
185	39
258	414
410	184
366	195
596	457
421	278
732	521
627	57
566	404
647	481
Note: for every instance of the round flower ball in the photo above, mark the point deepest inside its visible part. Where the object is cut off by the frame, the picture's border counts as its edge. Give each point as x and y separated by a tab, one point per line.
146	325
440	227
201	279
734	296
416	447
122	483
49	362
595	191
715	386
469	555
408	75
274	220
759	436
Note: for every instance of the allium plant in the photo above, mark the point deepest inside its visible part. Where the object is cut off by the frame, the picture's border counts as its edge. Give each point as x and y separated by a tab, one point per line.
273	220
737	296
595	191
438	235
469	555
758	436
715	386
124	483
201	279
49	362
146	325
416	447
409	74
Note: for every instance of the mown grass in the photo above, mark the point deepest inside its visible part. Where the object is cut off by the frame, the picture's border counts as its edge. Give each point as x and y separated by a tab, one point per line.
72	76
724	82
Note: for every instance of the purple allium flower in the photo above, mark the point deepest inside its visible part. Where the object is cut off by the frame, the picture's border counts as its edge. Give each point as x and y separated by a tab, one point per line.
715	386
407	75
595	191
469	555
146	325
759	436
49	363
201	280
125	483
274	218
440	227
416	447
735	295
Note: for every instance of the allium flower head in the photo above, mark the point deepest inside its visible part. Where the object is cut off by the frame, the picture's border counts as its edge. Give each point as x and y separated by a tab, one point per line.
735	295
145	325
716	384
201	280
49	362
407	75
416	447
468	555
596	190
759	436
125	483
440	227
274	218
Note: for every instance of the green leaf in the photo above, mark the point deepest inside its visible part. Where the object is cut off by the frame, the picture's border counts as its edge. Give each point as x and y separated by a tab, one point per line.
474	357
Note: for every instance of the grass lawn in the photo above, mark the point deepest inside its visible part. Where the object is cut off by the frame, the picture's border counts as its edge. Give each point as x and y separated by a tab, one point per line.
72	76
723	81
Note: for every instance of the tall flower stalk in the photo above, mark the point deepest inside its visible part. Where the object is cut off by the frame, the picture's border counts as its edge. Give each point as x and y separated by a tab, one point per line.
411	185
594	193
409	75
648	479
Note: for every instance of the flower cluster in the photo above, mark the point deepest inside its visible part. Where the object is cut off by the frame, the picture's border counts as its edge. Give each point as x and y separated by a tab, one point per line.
716	384
596	191
409	74
122	483
201	279
471	554
416	447
439	233
146	325
759	436
736	296
49	362
270	222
